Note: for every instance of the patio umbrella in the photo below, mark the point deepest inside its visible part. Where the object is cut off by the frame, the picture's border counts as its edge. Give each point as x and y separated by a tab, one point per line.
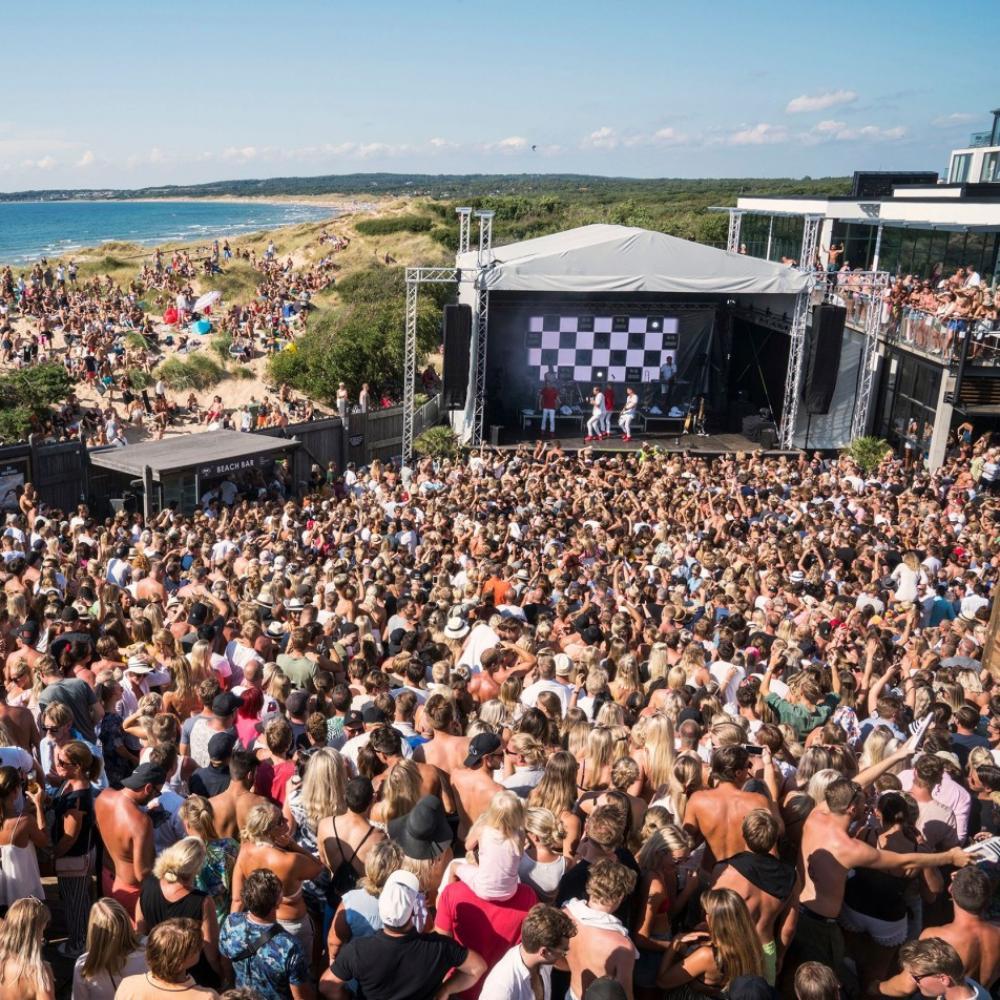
206	300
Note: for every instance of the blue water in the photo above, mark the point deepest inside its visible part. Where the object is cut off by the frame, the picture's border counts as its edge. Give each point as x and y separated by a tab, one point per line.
29	230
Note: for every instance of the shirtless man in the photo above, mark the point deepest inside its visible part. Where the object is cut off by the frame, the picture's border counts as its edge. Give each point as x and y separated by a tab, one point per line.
20	724
127	833
150	587
829	852
230	808
387	743
445	751
601	945
765	883
976	940
473	784
716	814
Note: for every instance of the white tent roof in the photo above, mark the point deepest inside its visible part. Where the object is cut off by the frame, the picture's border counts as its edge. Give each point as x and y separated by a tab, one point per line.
605	258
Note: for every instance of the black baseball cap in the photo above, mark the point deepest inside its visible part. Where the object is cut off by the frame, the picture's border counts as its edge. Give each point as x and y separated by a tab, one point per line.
297	702
372	714
145	774
226	703
482	746
221	745
353	720
28	632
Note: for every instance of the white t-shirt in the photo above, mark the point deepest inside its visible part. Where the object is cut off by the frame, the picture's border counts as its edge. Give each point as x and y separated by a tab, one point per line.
719	670
529	696
510	979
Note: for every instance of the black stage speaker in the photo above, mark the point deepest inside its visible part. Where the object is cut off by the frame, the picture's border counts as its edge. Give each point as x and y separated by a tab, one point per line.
824	358
457	348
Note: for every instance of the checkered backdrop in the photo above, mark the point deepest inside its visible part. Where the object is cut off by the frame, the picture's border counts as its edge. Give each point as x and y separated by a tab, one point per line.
626	348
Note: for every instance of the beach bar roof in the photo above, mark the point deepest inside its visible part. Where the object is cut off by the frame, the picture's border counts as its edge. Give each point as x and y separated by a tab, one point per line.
210	454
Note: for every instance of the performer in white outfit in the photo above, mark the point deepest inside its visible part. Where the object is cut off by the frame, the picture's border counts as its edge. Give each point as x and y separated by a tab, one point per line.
627	415
609	405
597	415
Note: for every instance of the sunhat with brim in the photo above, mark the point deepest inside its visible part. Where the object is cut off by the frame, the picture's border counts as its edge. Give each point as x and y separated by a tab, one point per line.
423	833
456	628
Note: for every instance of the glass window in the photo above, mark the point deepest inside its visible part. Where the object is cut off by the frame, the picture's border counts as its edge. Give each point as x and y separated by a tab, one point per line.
991	169
960	168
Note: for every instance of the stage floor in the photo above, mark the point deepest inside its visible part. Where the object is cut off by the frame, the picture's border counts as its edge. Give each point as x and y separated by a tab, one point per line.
709	444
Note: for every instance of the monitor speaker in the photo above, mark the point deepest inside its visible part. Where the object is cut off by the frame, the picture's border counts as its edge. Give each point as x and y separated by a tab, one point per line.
824	357
457	349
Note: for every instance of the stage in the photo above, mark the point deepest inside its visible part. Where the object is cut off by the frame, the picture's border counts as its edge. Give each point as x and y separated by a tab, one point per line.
695	444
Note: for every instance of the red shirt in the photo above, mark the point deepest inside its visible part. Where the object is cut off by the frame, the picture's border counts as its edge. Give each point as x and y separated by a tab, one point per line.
609	399
549	396
488	927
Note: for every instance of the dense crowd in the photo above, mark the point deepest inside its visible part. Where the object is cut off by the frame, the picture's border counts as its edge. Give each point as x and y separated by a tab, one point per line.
522	725
111	337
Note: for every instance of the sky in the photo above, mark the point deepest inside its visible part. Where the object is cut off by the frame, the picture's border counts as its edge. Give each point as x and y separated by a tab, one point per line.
112	94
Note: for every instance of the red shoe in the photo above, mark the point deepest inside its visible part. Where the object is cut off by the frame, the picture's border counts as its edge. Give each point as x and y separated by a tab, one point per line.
627	438
587	439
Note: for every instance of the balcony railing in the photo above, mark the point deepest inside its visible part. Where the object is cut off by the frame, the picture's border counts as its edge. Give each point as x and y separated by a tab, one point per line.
924	333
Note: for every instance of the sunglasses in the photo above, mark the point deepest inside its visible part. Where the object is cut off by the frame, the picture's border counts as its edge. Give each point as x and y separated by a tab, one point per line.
51	729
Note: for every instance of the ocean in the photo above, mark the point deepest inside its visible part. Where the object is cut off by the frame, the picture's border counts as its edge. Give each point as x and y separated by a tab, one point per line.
33	229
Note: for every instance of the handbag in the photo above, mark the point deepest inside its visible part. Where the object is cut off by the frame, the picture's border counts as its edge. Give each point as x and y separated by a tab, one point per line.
73	866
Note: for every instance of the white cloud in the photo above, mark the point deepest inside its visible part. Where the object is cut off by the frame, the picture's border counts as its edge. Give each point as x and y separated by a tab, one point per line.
820	102
955	118
47	162
602	138
242	154
761	134
438	143
87	159
511	144
669	137
837	131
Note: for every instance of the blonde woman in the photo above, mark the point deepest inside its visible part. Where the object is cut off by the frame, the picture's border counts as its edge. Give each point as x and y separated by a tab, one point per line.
626	680
557	792
170	893
216	875
686	778
595	764
113	952
659	756
543	864
730	949
182	699
665	886
24	974
400	792
321	793
357	916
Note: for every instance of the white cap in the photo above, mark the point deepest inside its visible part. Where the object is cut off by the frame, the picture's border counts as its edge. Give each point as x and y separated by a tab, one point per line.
399	898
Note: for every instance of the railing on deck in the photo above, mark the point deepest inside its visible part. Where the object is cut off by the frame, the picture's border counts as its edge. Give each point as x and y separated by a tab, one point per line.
924	333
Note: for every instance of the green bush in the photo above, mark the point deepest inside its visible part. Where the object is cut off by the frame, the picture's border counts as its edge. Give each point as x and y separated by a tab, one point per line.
220	345
15	424
36	388
437	442
135	339
868	453
394	224
139	379
198	372
373	284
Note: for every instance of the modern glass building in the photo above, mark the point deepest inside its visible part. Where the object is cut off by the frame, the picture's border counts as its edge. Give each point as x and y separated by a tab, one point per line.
933	372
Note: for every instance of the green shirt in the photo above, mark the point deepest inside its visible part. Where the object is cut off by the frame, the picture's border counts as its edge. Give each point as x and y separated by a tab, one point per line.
802	719
300	670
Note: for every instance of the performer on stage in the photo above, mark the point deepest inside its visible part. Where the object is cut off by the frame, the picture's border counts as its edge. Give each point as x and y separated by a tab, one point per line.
609	405
667	372
598	410
628	413
548	403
